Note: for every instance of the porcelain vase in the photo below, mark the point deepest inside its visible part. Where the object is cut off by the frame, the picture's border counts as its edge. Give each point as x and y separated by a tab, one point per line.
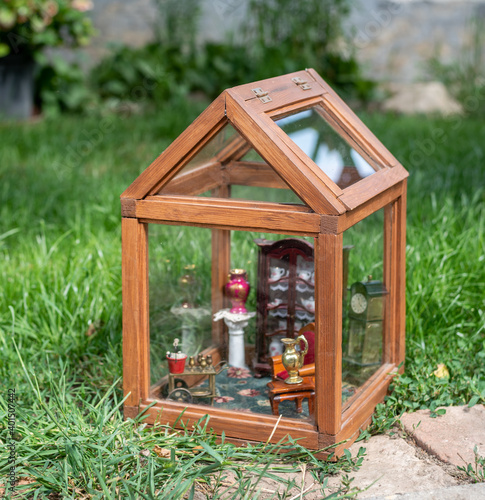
237	289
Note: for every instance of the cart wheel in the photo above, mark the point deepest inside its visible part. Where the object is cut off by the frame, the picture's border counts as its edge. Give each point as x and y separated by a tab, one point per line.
178	383
181	395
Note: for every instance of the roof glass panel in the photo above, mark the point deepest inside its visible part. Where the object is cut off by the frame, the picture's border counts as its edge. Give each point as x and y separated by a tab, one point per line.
228	166
216	147
251	155
341	162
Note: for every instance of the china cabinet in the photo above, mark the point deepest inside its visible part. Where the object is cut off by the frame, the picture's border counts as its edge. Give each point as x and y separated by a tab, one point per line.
285	295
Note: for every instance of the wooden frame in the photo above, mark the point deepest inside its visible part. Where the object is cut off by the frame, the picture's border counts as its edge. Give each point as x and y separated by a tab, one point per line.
326	212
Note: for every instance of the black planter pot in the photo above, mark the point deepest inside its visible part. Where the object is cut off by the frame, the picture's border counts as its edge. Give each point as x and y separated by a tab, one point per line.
16	86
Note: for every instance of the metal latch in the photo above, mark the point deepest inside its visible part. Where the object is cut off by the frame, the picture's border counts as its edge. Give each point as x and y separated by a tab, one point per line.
262	95
303	84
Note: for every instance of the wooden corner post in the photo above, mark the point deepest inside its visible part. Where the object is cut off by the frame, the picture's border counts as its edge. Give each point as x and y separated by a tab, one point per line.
395	279
136	359
399	238
328	338
221	264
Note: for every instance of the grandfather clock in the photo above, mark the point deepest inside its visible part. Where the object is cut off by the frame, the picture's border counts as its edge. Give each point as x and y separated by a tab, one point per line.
365	329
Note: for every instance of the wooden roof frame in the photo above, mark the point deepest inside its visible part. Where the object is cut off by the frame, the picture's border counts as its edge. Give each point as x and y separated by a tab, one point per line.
254	120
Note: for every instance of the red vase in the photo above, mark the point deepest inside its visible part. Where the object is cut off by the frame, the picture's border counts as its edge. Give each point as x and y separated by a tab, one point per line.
237	289
176	365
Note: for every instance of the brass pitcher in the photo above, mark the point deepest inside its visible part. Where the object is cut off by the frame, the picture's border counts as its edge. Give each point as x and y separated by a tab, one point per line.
292	359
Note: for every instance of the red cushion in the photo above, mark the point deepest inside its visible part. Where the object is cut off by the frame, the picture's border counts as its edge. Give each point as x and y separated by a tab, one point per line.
310	355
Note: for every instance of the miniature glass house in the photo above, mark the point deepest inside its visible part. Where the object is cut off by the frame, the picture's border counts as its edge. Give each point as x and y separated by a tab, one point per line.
277	183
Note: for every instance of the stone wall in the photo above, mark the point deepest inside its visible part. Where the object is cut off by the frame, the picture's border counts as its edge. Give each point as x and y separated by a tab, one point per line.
393	40
120	22
396	40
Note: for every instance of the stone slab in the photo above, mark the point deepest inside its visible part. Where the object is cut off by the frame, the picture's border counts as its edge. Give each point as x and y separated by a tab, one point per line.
392	467
463	492
426	97
450	437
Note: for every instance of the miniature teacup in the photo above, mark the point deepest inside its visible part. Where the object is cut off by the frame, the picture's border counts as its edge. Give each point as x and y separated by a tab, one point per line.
304	274
282	325
276	273
275	347
275	302
309	304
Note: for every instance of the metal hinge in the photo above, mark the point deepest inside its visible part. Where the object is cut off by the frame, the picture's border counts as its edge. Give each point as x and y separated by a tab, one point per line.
303	84
262	95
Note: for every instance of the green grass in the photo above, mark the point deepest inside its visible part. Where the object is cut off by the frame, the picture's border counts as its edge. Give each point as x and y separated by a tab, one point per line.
60	304
445	263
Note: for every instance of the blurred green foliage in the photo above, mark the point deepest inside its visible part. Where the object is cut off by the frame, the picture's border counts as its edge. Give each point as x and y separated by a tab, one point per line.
27	26
61	86
282	36
276	37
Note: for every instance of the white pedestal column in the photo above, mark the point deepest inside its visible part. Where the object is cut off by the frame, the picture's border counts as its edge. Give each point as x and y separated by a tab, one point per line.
235	324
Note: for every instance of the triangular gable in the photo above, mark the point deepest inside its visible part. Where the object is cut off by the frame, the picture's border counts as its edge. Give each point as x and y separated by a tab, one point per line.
229	160
180	151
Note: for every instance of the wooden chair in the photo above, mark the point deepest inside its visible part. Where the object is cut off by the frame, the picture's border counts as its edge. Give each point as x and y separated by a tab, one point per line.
280	391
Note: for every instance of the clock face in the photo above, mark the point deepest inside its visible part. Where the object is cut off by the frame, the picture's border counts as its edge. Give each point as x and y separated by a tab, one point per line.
358	303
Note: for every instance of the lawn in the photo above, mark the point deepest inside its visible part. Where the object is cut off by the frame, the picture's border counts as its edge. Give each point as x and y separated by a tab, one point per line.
60	304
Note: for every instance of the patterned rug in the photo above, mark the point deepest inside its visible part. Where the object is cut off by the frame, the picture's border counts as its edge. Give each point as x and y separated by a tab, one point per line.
237	389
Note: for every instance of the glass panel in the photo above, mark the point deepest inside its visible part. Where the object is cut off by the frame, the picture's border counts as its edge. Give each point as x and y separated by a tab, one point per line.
310	131
217	147
272	195
252	155
364	301
204	172
276	309
228	160
181	302
179	293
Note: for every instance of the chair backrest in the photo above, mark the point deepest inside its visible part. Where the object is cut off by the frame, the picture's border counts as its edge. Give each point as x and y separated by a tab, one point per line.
308	331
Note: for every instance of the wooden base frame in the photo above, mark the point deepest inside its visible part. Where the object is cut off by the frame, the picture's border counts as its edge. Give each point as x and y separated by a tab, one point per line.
263	428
